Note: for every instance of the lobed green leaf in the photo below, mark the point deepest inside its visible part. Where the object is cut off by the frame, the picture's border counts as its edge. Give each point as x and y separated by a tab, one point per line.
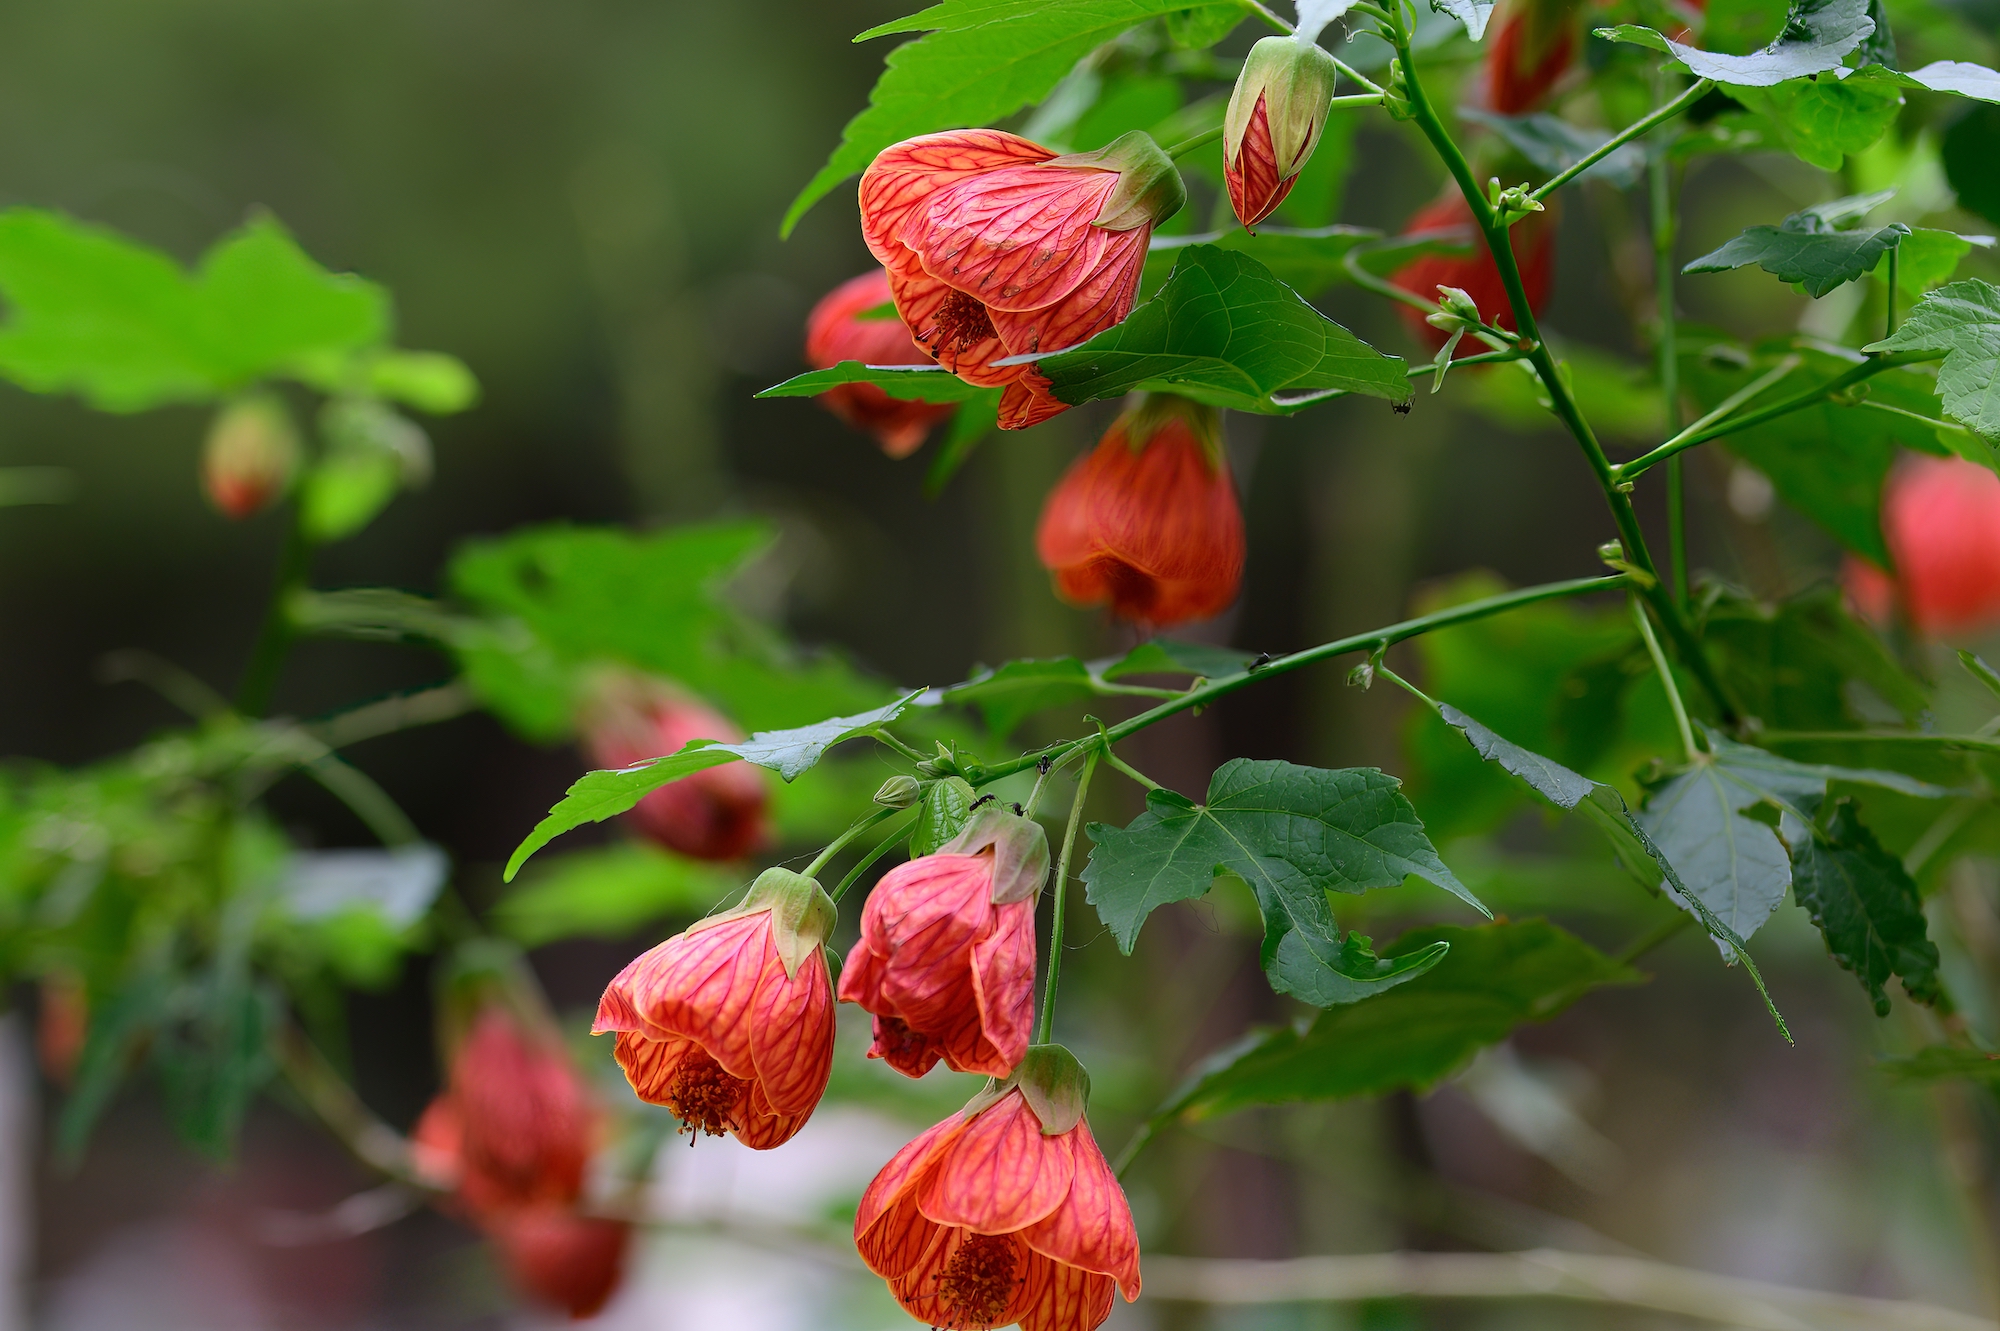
1961	320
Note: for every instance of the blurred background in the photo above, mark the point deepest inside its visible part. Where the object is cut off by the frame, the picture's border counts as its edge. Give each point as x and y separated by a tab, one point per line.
581	202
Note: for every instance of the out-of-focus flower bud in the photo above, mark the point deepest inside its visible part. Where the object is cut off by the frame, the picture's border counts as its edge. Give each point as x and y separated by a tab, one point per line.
1533	45
845	326
1273	123
562	1259
62	1024
1148	520
714	814
898	792
251	455
1941	520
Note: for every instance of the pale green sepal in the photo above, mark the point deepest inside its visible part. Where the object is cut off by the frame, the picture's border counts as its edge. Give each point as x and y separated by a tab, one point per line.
1297	83
1055	1085
1020	852
1149	190
802	915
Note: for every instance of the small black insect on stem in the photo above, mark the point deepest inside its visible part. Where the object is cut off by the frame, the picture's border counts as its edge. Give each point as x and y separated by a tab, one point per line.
1044	763
981	800
1263	659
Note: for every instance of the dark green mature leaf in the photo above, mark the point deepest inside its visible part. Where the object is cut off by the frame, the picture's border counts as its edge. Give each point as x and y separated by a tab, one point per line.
1939	1062
1963	321
1804	662
1164	656
596	796
1809	247
1970	148
1495	978
1226	332
1554	145
1725	824
1564	788
1822	121
1308	261
1828	460
610	892
919	383
1817	35
1292	834
981	61
1867	908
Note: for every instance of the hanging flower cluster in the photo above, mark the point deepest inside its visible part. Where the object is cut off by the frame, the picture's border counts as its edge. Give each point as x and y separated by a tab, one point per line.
1006	1212
512	1132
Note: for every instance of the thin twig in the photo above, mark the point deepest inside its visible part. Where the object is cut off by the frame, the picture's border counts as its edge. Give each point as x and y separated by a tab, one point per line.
1046	1025
1696	91
1666	674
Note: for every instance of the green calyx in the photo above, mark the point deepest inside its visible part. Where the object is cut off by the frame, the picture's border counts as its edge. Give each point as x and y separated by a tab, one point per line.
1296	81
1020	851
1150	189
802	915
1051	1080
1156	411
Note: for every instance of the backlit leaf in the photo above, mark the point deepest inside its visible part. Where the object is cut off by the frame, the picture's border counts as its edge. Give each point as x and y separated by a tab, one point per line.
1824	120
1817	34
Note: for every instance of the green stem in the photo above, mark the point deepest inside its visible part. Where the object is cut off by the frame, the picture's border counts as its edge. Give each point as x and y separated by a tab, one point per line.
1889	318
1483	358
1566	410
1666	678
1382	637
1201	140
1355	99
812	870
275	635
1407	687
1698	90
1660	187
1046	1025
1268	16
1357	76
887	844
1701	434
886	738
1127	769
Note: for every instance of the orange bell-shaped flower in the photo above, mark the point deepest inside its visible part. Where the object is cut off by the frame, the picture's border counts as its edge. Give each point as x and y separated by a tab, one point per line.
1534	242
1941	520
717	813
1005	1212
567	1261
997	247
1148	521
836	331
730	1024
946	960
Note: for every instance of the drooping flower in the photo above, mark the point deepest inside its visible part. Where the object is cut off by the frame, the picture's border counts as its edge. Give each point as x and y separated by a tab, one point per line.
514	1123
250	456
842	327
1005	1212
1534	43
730	1024
997	247
557	1257
1533	239
946	961
1275	115
714	814
1148	521
1941	521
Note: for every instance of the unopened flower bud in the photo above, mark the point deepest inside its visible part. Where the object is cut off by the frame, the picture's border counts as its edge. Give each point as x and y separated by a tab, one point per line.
1362	676
251	455
1611	551
898	792
1149	189
1273	123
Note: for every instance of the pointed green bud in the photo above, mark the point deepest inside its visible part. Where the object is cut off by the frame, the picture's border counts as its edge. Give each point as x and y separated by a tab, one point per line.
1296	81
802	914
1020	851
1051	1080
1150	189
898	792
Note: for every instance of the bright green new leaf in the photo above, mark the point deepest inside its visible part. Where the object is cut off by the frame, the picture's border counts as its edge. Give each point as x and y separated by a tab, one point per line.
126	328
1822	121
1226	332
599	795
1496	977
344	492
1812	247
609	892
1817	34
981	61
1867	907
430	381
1961	320
1291	833
926	383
